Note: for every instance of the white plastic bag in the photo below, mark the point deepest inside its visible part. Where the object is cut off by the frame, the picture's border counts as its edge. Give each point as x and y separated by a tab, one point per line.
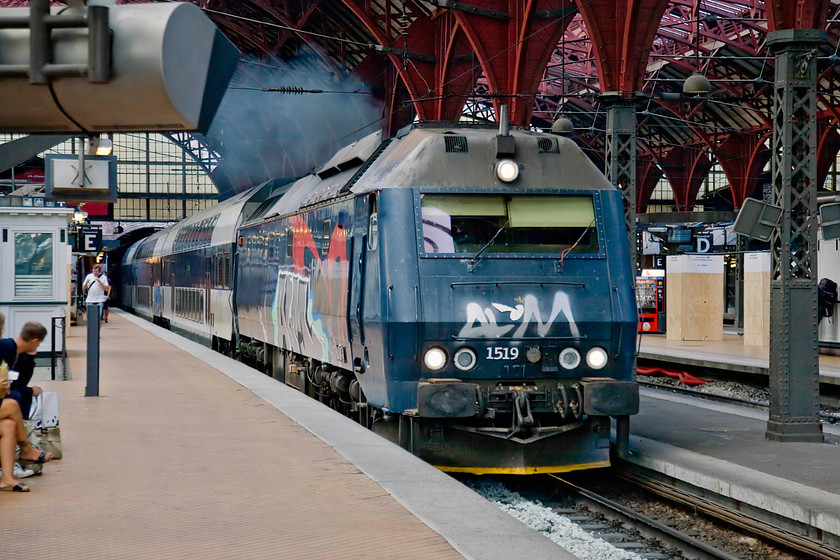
44	411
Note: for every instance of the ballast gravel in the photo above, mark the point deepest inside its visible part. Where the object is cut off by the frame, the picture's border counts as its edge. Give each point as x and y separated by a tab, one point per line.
554	526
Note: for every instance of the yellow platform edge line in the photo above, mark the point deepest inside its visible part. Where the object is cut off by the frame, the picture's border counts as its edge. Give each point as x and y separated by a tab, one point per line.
524	470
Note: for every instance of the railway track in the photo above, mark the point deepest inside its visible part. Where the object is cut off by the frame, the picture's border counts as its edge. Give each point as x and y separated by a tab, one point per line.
803	547
637	513
627	529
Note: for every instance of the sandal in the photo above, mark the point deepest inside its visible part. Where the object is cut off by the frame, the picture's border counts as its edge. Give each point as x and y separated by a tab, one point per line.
42	458
19	487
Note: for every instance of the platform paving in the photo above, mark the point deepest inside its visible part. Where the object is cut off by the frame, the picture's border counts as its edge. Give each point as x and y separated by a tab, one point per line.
729	353
179	459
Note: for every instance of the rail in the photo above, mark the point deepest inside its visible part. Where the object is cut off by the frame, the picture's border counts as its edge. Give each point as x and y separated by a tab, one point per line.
764	530
648	528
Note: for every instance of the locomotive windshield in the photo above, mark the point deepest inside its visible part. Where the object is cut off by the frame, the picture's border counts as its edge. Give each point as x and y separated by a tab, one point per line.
466	223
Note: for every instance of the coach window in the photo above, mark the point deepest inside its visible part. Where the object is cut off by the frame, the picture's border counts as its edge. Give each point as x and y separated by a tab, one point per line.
373	233
326	232
34	265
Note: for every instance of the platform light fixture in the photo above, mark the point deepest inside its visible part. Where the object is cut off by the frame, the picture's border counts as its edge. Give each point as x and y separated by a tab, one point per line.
106	146
563	124
100	146
697	83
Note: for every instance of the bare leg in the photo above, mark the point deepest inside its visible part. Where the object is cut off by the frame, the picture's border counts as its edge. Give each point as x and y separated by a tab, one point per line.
7	453
10	410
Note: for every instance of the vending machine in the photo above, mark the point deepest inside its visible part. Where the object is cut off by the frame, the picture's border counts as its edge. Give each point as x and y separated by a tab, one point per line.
650	296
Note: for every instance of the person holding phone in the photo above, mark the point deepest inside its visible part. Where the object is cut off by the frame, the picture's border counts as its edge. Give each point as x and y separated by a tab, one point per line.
99	288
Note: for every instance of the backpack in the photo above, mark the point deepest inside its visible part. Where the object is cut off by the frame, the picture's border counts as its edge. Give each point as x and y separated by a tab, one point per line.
826	298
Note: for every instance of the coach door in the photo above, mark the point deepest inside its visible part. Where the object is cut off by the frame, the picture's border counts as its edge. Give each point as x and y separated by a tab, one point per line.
208	286
357	272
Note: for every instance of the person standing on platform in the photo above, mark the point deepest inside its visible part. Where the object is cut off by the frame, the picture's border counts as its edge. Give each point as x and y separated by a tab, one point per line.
99	288
106	306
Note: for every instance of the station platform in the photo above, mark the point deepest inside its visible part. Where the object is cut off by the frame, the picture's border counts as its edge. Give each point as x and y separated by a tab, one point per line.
189	454
728	354
722	448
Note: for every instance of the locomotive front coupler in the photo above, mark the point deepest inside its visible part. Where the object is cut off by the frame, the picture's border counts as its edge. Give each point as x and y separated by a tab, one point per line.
522	419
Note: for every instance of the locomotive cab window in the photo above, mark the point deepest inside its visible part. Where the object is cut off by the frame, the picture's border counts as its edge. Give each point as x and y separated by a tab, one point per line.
464	223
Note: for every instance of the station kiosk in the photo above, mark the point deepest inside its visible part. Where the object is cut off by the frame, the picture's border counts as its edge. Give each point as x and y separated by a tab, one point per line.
35	257
650	297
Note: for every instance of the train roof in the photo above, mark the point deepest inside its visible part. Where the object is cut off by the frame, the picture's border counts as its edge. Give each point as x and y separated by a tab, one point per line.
211	227
458	157
436	155
443	156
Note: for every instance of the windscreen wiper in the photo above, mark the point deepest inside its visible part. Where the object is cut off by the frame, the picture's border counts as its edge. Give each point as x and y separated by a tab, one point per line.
476	258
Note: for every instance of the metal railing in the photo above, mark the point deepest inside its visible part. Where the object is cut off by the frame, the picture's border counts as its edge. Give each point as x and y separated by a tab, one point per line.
58	358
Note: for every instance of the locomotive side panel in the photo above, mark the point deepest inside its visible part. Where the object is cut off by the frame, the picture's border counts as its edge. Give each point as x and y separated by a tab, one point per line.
293	283
400	300
367	302
622	286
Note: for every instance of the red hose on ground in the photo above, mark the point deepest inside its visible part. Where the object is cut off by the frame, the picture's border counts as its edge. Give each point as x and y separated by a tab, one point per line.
686	378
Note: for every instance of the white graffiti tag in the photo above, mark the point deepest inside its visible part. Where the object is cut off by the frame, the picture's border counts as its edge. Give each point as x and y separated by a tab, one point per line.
487	326
481	322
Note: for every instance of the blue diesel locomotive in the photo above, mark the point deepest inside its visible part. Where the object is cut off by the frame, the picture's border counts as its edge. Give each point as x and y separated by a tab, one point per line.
462	291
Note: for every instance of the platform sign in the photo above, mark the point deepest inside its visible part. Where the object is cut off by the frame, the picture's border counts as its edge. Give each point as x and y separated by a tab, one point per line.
94	179
703	242
830	221
88	240
757	219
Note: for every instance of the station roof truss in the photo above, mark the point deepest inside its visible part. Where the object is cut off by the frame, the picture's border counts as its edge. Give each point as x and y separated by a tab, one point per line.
450	59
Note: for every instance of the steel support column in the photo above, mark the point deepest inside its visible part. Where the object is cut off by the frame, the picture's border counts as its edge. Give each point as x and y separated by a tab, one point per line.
620	162
794	353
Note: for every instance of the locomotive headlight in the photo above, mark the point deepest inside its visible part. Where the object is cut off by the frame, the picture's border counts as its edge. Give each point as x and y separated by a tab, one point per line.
507	170
596	358
464	359
569	358
435	358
